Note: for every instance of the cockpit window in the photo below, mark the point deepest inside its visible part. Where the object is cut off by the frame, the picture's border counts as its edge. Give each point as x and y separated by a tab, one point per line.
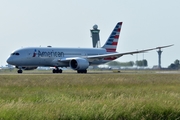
14	53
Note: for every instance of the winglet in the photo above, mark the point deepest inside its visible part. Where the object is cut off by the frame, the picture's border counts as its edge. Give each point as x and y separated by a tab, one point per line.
141	51
164	46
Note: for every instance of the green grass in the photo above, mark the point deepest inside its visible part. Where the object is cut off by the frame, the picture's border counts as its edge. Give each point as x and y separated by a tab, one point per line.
90	96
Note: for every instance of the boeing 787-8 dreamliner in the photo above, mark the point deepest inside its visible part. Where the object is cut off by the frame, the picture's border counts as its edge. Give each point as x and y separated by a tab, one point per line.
76	58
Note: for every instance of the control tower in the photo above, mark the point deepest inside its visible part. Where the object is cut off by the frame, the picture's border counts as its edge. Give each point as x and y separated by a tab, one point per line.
95	37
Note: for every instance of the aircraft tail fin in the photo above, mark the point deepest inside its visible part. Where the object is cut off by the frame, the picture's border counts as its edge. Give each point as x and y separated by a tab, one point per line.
112	41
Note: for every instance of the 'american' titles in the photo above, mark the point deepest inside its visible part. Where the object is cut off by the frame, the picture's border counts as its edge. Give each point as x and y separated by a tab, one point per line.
50	54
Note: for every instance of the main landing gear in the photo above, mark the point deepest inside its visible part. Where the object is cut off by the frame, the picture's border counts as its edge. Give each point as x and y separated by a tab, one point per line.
81	71
57	70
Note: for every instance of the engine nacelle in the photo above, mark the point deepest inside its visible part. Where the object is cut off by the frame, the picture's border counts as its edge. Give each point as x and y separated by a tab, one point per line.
79	64
26	68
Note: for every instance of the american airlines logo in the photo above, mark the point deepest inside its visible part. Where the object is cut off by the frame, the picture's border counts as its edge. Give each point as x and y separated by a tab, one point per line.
47	54
34	54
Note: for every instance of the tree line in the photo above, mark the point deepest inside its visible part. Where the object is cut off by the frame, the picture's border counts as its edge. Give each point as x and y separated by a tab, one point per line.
142	63
175	65
139	63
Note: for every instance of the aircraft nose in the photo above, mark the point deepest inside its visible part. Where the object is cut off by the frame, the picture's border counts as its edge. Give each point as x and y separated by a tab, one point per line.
9	60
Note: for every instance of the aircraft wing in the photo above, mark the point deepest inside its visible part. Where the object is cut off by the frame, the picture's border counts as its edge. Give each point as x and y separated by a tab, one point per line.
126	53
110	55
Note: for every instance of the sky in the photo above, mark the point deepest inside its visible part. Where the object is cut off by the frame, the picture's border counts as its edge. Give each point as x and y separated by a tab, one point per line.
67	23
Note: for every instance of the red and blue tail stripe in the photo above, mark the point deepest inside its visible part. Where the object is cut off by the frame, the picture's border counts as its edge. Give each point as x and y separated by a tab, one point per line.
111	43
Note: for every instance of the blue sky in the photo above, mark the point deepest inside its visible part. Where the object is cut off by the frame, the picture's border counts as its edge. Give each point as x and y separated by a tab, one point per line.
66	23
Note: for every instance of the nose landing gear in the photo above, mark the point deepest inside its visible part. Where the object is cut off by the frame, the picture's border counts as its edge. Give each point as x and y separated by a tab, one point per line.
19	71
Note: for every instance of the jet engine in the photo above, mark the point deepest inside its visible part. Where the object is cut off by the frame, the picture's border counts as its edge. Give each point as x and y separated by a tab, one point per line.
26	68
79	64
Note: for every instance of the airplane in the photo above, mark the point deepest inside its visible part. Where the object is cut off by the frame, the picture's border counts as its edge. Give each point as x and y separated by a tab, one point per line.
78	59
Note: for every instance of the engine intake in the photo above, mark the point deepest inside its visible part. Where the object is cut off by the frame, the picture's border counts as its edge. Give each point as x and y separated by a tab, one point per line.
79	64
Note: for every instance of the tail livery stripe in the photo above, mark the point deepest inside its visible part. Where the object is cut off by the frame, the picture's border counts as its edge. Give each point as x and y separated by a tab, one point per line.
111	43
116	37
114	43
110	50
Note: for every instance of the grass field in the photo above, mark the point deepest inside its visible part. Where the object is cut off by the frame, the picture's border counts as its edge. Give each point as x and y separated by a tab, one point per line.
125	96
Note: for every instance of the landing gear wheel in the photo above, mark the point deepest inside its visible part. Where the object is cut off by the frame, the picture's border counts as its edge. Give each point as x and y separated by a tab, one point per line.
60	71
19	71
54	71
81	71
57	70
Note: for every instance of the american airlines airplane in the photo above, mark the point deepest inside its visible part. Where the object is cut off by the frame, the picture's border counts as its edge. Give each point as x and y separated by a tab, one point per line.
76	58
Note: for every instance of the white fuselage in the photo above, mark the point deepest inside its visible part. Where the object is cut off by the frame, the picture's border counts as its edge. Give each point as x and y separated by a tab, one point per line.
48	56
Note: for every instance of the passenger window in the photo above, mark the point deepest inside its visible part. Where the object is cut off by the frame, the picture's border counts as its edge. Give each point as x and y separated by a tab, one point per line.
17	53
